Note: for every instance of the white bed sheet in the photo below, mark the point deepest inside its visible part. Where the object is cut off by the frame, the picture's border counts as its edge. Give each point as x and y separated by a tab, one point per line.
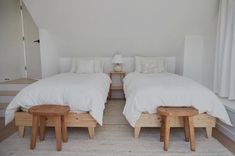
146	92
82	92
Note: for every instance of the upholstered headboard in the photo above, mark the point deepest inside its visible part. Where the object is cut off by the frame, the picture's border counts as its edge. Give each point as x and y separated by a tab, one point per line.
128	65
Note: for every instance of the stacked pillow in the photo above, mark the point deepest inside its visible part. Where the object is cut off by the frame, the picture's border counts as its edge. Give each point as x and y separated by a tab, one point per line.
83	66
150	64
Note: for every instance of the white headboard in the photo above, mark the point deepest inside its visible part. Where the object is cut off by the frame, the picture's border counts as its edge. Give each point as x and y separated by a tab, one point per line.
128	65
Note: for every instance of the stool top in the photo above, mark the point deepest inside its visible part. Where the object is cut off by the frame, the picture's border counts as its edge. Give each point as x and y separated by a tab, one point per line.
177	111
49	110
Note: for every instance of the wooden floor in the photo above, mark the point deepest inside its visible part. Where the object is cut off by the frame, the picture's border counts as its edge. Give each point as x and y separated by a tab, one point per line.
6	131
3	106
116	137
2	123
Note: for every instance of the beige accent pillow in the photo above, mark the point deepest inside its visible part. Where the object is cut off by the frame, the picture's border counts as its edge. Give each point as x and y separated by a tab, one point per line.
153	66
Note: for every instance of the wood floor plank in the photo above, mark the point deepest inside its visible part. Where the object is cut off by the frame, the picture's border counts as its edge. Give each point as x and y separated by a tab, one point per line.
6	131
3	105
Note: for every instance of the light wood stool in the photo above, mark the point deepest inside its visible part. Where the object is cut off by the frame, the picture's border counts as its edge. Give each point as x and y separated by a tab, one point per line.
40	113
167	113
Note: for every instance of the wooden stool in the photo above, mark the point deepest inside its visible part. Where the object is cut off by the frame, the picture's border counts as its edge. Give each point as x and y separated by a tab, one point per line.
167	113
40	113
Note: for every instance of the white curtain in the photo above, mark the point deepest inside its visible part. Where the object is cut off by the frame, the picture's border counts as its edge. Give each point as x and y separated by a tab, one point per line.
224	80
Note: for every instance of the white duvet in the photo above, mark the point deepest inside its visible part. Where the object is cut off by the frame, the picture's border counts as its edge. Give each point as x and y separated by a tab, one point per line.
145	92
82	92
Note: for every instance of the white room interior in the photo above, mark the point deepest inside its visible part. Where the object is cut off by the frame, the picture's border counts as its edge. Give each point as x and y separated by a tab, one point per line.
184	30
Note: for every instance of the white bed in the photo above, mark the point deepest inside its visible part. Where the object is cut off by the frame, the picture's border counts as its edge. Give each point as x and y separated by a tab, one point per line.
146	92
82	92
154	84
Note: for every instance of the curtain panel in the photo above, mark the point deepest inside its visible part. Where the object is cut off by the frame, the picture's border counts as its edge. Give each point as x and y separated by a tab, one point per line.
224	77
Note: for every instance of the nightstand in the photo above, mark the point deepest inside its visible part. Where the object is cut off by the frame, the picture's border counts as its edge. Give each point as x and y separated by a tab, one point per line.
116	87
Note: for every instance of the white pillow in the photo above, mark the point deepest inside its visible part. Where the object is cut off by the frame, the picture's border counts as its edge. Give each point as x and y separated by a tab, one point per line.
150	64
73	67
153	66
85	66
98	66
138	64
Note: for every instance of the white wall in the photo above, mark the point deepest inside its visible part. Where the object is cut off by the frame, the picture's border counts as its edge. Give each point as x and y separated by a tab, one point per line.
193	55
135	27
49	55
11	49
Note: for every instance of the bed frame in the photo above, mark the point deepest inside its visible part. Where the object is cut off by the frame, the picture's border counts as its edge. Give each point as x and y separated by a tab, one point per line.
24	119
154	120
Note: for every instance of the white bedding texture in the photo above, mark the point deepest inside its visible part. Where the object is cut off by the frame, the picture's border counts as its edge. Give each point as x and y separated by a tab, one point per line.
146	92
82	92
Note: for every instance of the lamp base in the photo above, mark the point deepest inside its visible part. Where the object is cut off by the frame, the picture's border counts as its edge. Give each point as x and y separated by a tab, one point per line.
117	68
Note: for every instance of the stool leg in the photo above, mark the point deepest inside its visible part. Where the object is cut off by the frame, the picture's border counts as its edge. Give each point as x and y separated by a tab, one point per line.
186	128
162	129
34	132
58	132
167	132
42	128
64	128
191	133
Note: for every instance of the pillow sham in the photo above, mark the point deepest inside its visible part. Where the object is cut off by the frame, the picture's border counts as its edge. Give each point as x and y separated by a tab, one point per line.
150	64
153	66
138	64
85	66
73	65
98	65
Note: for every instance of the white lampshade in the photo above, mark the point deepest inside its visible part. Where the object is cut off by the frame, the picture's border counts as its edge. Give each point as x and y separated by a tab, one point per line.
117	59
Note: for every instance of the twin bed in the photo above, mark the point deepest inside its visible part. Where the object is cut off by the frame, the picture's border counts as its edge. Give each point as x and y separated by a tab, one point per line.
145	89
85	94
145	92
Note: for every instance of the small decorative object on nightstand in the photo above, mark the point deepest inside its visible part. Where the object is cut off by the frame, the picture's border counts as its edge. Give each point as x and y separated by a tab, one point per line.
117	61
115	87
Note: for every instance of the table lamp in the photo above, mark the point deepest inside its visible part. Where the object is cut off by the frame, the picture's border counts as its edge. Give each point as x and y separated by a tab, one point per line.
117	61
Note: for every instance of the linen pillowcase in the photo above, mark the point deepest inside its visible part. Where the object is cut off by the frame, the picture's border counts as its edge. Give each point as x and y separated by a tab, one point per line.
85	66
73	68
138	64
150	64
98	66
153	66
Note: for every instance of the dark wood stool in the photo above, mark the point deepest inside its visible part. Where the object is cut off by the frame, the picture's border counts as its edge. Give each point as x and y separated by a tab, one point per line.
40	113
167	113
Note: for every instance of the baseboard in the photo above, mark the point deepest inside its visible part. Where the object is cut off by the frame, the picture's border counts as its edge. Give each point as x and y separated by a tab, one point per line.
224	140
226	131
